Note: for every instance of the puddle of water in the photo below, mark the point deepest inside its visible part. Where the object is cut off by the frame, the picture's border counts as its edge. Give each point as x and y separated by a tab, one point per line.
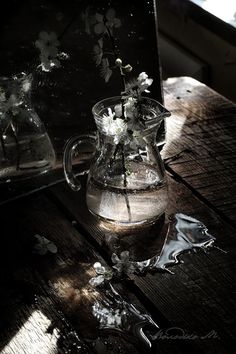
111	312
185	233
114	313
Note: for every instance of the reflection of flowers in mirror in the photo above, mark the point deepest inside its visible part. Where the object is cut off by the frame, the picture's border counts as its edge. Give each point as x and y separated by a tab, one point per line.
50	57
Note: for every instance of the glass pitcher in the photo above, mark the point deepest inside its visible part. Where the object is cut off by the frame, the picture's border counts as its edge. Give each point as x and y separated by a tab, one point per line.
126	181
25	147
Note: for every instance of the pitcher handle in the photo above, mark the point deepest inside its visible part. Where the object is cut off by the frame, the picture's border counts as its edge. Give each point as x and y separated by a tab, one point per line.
70	147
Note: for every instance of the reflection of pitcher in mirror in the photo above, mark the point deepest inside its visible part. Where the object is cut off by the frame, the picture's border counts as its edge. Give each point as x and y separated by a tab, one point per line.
126	181
25	147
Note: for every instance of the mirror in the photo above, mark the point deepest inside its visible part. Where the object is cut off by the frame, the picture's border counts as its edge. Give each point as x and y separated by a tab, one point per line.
62	46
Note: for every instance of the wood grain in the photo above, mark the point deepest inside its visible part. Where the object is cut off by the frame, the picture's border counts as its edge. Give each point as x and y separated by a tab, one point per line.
45	301
198	297
202	129
48	298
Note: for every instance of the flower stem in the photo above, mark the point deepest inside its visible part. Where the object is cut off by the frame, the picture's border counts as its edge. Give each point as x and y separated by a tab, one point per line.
122	75
3	147
116	54
125	182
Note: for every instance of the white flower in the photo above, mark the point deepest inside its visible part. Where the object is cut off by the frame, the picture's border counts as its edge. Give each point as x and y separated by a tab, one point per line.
110	114
123	264
26	85
44	245
134	88
144	82
114	127
130	107
48	46
142	76
118	110
103	274
63	56
48	43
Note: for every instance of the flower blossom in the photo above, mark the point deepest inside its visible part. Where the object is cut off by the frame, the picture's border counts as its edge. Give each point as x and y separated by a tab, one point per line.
136	87
115	127
48	46
103	274
144	82
44	245
123	264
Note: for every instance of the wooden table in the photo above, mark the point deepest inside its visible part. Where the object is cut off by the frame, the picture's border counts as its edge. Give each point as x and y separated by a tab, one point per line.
46	301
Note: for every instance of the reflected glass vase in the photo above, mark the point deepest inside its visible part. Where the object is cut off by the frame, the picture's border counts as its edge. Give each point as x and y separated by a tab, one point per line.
126	181
25	147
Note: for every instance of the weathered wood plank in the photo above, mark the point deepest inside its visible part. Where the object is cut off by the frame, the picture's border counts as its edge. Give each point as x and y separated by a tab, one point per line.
203	128
37	328
199	297
59	280
29	320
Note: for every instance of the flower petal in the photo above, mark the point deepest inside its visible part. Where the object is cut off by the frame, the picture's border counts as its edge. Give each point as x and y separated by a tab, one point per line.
118	110
115	258
96	280
124	256
142	76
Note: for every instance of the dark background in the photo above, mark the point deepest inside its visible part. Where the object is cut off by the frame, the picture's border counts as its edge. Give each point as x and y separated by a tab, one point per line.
64	97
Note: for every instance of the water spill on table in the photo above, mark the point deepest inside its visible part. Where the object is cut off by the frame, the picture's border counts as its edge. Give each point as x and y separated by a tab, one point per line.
182	233
114	313
118	323
185	233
